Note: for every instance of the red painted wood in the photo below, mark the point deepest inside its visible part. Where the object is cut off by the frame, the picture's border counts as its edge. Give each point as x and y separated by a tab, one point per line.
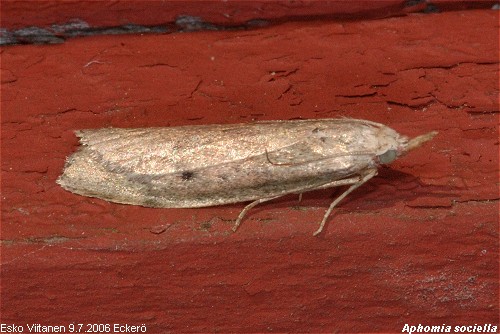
114	13
418	244
17	14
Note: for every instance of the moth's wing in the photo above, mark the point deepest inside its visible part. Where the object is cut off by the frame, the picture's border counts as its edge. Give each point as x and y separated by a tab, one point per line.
313	144
206	165
160	151
122	150
116	139
301	152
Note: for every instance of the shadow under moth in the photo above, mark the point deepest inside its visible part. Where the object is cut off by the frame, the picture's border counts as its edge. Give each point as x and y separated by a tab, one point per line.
207	165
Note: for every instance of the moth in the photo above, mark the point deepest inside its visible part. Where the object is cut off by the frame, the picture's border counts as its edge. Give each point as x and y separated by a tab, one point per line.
208	165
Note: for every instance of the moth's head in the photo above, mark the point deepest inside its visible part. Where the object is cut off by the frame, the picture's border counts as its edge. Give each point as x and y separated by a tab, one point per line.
395	145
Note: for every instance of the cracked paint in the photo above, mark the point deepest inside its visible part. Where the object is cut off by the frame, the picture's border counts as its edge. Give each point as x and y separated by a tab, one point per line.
419	242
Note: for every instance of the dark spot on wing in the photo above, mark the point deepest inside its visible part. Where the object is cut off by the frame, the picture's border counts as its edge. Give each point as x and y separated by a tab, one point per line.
316	130
323	139
187	175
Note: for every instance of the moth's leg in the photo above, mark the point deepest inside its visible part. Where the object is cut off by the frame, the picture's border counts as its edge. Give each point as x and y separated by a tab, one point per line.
363	179
338	183
354	181
262	200
247	208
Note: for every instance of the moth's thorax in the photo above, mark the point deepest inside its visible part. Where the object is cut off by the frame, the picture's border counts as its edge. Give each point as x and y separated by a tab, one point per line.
390	145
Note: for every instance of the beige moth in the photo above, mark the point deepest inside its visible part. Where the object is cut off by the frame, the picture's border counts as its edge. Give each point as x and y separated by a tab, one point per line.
207	165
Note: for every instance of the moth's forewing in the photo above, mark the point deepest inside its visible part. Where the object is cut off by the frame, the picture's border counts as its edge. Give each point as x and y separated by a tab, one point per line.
209	165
